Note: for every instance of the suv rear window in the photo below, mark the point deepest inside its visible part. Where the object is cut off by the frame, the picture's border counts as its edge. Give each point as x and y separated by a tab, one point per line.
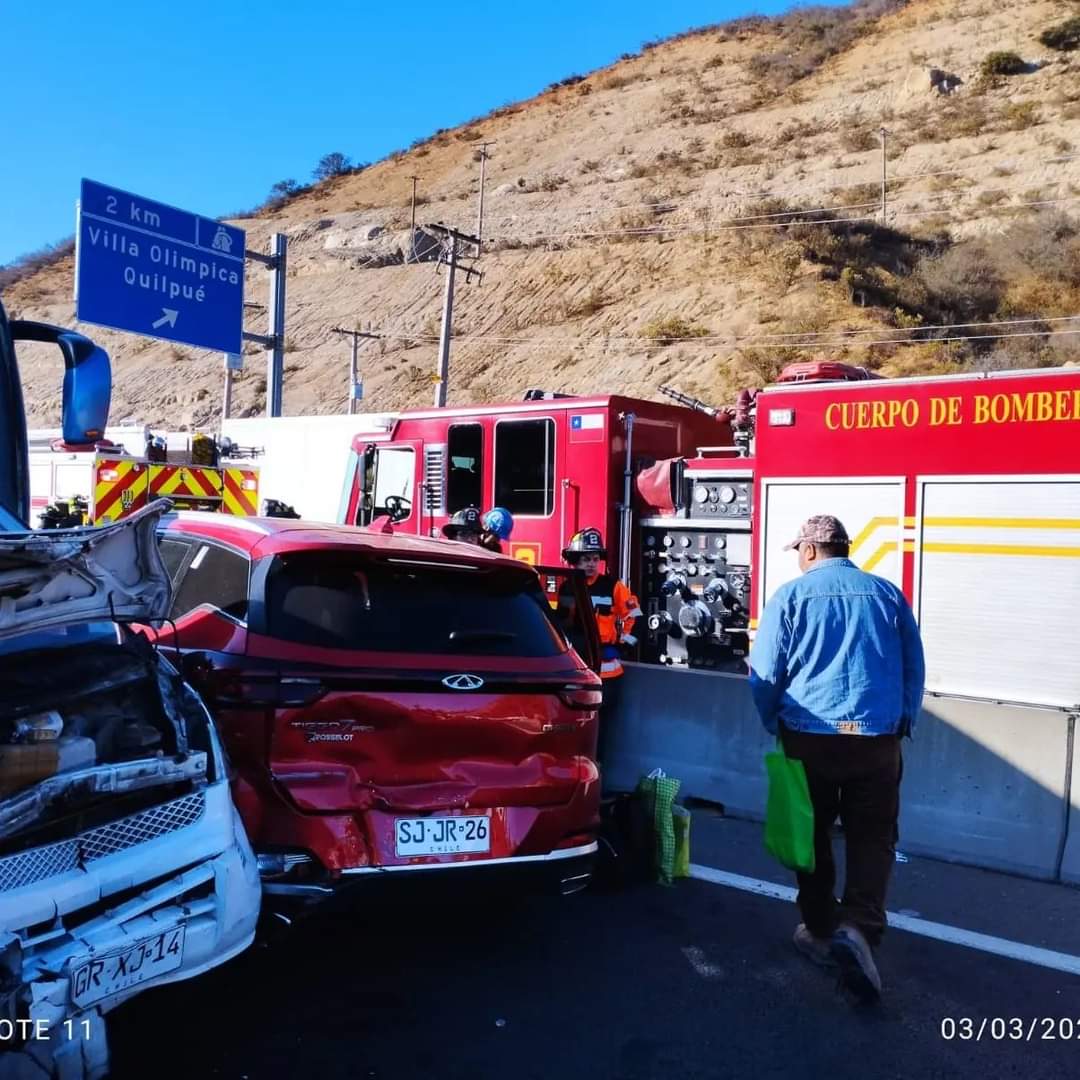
406	606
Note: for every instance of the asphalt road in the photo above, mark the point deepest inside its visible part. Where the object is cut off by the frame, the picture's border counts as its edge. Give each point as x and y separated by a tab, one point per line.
693	981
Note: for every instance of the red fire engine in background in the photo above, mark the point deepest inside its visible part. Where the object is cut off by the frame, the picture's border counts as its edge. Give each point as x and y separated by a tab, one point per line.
557	463
964	490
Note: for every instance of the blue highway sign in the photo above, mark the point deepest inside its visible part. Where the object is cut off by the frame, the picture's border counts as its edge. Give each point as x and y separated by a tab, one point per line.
151	269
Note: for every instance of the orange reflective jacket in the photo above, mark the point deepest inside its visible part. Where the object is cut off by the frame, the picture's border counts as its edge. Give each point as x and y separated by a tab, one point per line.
616	608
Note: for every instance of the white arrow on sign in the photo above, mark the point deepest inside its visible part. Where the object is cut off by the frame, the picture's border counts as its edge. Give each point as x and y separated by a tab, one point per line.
168	316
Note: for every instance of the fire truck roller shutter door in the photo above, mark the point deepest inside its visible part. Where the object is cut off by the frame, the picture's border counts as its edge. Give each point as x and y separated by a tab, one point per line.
997	587
871	509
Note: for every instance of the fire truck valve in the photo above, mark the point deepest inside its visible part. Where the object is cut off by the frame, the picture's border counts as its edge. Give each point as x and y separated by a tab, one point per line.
715	590
696	619
676	583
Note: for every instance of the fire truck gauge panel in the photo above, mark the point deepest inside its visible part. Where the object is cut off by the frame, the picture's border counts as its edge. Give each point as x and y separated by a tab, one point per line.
696	597
721	496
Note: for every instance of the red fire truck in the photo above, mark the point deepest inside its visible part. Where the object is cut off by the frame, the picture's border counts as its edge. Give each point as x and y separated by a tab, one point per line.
557	463
965	490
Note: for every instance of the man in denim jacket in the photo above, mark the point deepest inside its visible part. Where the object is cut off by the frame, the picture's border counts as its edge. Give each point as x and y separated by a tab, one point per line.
837	671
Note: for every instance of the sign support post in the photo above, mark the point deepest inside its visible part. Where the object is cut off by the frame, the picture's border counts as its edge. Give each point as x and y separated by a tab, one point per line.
274	342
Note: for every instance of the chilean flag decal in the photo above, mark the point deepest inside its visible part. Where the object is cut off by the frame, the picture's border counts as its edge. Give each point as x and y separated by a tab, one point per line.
587	427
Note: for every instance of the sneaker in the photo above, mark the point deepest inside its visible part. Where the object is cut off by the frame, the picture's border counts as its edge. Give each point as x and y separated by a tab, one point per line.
817	950
858	972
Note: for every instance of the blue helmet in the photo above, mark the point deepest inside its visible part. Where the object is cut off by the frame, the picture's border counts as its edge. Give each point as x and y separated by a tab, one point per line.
499	521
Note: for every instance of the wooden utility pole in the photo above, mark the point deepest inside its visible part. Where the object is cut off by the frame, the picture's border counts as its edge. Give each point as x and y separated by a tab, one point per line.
355	383
884	178
412	221
451	239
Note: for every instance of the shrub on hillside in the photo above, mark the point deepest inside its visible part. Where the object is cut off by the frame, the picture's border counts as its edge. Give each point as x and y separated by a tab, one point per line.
1064	37
735	139
963	283
335	164
666	331
859	140
1002	63
570	80
1021	115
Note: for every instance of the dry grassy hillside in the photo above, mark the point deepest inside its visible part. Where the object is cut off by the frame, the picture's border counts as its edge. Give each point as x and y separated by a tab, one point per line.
639	230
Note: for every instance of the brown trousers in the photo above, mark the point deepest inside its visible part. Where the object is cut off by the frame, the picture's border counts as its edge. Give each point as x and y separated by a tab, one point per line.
855	777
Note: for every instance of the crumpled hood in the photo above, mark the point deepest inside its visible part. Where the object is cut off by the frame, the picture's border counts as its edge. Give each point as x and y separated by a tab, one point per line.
61	577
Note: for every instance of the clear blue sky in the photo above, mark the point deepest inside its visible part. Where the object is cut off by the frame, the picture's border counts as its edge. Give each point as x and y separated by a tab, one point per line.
205	105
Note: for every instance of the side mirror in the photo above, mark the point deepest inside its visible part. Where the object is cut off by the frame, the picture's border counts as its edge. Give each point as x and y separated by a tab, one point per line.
87	379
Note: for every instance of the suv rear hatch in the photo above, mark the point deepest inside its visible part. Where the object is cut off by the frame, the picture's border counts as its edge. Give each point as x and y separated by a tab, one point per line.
415	685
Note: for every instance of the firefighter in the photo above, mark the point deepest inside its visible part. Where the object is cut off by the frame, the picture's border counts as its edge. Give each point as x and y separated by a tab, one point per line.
498	524
616	608
465	526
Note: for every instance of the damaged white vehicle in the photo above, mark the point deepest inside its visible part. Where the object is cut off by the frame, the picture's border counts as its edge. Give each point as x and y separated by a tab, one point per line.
123	863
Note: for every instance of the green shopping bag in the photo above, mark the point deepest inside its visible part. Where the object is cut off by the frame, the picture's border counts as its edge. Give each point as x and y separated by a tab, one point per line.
681	820
658	791
789	815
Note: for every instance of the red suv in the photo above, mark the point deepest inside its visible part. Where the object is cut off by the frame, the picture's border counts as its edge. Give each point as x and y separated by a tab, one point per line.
390	703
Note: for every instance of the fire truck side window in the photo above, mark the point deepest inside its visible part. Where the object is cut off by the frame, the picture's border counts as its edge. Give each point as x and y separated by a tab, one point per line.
394	470
465	467
525	466
216	577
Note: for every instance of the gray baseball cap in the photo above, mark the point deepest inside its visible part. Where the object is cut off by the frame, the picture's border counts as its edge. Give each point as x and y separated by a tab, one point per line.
820	529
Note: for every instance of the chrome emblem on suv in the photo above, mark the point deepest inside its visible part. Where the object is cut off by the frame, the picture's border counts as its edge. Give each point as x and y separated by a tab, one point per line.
463	682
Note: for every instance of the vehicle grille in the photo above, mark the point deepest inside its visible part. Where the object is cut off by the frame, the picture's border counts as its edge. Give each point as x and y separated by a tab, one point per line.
38	864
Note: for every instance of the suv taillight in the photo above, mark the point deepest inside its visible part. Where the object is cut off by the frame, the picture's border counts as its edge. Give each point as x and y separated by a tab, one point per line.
581	697
287	692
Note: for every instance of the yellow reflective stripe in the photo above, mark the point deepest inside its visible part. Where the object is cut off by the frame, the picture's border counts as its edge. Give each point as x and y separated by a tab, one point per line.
883	550
864	533
1005	549
1002	523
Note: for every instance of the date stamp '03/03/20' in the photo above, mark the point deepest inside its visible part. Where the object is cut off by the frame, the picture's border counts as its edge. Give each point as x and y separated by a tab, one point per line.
1010	1029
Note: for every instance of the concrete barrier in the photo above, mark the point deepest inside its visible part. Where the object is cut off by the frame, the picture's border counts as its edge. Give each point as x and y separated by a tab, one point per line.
984	784
699	726
1070	862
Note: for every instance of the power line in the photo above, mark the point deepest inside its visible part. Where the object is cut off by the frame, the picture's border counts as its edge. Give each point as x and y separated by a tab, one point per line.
810	339
696	204
677	230
646	346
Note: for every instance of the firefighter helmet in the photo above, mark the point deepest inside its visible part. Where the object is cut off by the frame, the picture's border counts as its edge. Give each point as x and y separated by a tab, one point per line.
467	521
499	521
586	542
